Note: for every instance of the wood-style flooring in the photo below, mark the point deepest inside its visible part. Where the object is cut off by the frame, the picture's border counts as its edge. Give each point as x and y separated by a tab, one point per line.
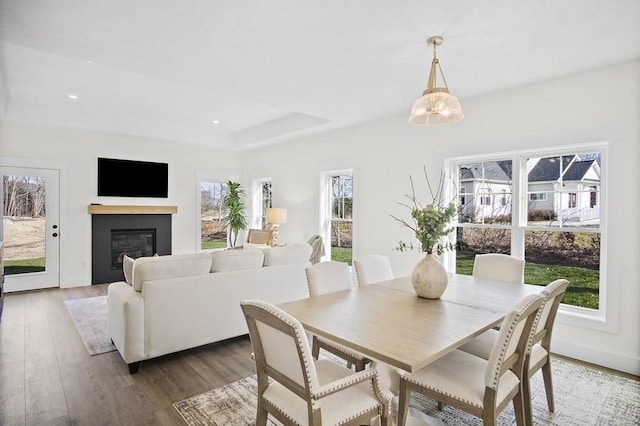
47	377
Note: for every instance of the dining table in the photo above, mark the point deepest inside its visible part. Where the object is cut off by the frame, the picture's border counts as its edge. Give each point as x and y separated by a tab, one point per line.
388	322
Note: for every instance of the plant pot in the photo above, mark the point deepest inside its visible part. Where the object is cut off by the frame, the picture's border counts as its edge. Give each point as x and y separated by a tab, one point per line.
429	278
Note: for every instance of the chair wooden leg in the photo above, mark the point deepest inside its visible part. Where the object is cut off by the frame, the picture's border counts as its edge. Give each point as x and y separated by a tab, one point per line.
548	385
315	347
261	415
518	409
526	400
403	403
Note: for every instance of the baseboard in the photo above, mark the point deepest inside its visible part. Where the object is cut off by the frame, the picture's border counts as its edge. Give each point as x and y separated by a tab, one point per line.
597	356
78	282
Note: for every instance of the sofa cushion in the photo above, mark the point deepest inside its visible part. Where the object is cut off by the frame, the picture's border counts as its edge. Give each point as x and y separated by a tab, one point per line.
287	255
172	266
127	268
235	260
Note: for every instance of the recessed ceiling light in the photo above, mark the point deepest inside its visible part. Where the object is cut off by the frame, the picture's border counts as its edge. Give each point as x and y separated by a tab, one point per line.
216	121
72	96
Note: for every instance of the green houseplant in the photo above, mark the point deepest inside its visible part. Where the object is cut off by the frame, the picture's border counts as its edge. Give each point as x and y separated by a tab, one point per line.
235	217
429	223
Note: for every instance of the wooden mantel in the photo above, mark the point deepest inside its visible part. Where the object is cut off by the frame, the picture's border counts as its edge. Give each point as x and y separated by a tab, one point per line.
102	209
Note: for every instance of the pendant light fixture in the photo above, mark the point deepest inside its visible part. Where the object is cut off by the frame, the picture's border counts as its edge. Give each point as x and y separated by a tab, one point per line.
436	106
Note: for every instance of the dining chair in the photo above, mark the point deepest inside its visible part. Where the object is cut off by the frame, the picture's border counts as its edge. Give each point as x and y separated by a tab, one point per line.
540	355
298	390
329	277
372	268
260	236
480	387
499	267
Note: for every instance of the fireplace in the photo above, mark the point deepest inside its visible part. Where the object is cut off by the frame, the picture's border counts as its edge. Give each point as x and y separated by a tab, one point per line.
115	235
134	243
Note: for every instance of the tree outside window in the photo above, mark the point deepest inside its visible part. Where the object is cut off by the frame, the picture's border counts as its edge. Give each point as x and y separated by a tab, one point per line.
341	217
213	233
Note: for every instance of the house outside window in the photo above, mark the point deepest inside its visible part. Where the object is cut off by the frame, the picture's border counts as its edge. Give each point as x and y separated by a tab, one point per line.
553	222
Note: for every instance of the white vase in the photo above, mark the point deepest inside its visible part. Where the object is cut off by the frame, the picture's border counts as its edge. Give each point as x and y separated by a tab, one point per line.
429	278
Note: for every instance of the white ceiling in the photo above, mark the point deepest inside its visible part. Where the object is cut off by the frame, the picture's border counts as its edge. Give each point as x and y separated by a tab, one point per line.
269	70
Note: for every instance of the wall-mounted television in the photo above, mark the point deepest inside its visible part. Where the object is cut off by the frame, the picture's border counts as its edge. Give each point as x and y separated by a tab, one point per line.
128	178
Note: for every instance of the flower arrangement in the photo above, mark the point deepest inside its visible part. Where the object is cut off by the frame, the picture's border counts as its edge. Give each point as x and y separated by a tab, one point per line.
430	222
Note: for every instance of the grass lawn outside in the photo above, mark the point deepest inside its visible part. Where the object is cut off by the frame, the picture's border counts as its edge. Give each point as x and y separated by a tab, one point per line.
341	254
24	266
584	283
213	245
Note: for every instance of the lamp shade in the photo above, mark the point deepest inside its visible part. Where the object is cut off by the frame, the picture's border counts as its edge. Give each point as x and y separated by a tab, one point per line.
276	215
437	107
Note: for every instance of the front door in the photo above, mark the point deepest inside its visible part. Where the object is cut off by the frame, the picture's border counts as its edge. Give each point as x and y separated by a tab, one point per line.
30	229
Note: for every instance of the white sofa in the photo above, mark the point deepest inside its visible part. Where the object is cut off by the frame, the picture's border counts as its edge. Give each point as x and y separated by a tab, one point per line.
177	302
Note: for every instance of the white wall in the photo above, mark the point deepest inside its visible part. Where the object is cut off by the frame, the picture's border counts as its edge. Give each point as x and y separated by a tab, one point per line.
77	152
602	105
595	106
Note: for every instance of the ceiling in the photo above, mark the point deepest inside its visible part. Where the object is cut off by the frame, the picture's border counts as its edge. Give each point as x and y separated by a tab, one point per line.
242	74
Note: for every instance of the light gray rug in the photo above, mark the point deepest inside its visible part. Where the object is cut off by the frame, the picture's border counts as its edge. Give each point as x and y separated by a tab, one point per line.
90	315
583	396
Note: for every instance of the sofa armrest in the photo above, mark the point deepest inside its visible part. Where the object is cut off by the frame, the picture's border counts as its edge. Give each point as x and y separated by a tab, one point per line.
126	321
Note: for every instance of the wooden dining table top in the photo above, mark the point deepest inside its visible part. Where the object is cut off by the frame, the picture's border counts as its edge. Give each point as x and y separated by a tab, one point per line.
388	322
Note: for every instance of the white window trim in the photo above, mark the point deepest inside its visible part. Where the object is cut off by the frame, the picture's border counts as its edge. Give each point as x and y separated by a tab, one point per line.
325	210
604	319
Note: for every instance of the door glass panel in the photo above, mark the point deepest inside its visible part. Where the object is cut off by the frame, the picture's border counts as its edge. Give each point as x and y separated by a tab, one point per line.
24	224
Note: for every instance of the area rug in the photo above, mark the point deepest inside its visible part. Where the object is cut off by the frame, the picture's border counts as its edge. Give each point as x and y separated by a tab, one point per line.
91	318
583	396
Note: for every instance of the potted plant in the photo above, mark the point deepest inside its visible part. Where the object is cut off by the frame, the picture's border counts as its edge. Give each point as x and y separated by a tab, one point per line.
429	224
235	218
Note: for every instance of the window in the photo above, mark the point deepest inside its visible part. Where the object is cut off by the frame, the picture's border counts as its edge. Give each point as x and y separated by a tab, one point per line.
553	221
262	199
538	196
213	233
338	205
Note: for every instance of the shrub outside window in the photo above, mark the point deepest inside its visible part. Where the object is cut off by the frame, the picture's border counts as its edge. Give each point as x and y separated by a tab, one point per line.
549	215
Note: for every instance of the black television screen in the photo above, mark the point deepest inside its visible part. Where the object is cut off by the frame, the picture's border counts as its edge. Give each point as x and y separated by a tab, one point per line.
127	178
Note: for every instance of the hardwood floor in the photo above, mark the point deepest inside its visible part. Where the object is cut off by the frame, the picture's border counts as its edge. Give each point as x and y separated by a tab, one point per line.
48	377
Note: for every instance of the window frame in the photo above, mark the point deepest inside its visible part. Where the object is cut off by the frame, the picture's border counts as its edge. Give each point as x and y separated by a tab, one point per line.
602	319
205	177
326	216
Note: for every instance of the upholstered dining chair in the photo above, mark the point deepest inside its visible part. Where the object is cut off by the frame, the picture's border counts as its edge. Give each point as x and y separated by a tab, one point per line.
540	355
260	236
372	268
499	267
329	277
480	387
297	390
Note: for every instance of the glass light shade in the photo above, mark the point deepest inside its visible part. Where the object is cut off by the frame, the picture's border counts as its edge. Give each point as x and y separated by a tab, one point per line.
276	215
436	107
